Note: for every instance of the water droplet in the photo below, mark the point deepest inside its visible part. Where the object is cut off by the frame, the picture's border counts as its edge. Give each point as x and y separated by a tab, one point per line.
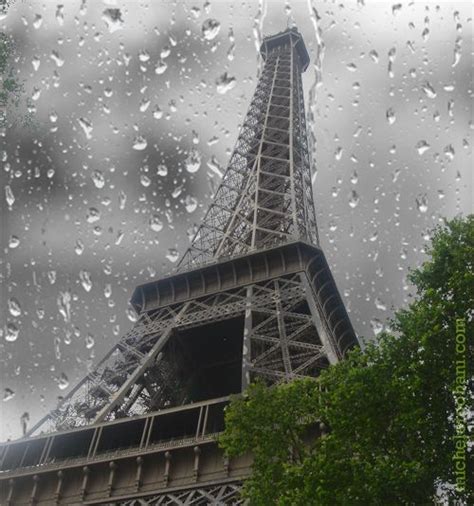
338	153
79	248
113	19
162	170
98	179
36	62
391	116
172	255
13	242
60	14
449	151
225	83
8	394
422	203
374	55
354	177
89	341
377	326
12	332
352	67
190	204
131	314
139	143
55	56
210	29
379	304
9	195
14	307
155	223
215	166
145	180
193	161
157	113
144	105
428	89
63	381
143	55
422	147
86	282
354	199
457	52
64	305
160	67
93	215
396	8
38	21
24	419
425	34
86	126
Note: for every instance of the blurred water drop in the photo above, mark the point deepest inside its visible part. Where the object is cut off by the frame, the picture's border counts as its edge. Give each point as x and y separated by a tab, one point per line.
210	28
377	326
352	67
215	166
425	34
145	180
143	55
98	179
160	67
422	147
86	125
113	19
24	419
13	242
162	170
422	203
391	116
193	161
8	394
155	223
52	277
9	195
225	83
157	113
122	198
64	305
93	215
428	89
338	153
79	248
60	14
36	63
56	57
396	8
131	314
354	199
379	304
63	381
457	52
449	151
190	204
374	55
354	177
86	282
14	306
139	143
89	341
11	333
38	21
172	255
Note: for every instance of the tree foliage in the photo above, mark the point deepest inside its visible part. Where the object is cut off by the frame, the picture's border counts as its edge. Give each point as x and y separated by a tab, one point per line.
388	410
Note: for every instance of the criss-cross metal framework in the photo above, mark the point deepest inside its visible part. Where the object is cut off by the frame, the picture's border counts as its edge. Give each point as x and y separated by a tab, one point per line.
265	197
253	297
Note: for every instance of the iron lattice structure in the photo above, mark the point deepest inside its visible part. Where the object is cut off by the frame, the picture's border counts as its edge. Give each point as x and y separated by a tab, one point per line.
252	297
265	197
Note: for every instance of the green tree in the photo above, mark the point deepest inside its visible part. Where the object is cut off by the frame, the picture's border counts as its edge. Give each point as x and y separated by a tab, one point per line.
384	416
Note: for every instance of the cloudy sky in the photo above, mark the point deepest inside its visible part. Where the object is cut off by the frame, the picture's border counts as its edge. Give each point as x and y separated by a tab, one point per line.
127	117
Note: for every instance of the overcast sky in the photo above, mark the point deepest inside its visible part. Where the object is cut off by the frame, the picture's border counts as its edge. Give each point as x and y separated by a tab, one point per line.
123	100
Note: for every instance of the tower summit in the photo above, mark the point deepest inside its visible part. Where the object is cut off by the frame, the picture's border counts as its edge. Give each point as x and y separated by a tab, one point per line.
252	297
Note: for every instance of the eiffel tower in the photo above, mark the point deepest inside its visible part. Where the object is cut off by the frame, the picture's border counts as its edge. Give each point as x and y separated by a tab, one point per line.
252	297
